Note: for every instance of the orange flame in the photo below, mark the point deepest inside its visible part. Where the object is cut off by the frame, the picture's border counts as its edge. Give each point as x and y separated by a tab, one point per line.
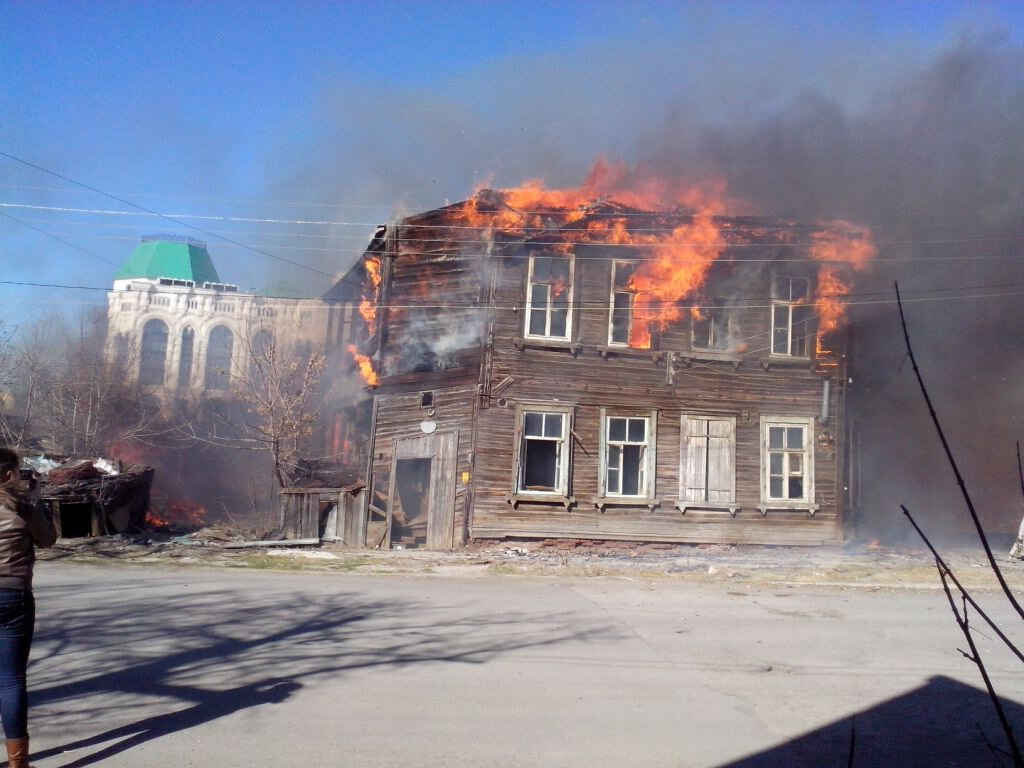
180	512
365	366
840	244
673	265
368	305
831	291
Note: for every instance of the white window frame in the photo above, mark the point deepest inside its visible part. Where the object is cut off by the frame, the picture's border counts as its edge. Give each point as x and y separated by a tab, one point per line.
564	457
730	329
547	310
611	305
788	305
695	453
807	500
649	466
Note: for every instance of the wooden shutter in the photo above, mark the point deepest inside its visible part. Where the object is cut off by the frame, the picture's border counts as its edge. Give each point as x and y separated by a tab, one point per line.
694	457
709	459
721	479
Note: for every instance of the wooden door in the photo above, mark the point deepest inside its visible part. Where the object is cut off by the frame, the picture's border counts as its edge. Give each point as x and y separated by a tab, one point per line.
411	455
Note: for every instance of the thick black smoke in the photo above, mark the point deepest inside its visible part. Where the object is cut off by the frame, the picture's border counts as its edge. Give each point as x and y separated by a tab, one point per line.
926	150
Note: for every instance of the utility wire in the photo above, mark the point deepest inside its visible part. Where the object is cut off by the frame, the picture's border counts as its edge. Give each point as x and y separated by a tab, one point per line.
524	230
522	255
602	304
161	215
57	237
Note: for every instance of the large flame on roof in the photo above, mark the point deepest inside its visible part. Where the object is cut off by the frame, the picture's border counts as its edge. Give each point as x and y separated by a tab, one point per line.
673	260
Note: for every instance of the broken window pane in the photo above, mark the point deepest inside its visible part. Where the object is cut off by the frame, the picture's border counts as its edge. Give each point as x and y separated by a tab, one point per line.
796	487
623	272
796	463
801	330
632	469
622	308
798	289
541	269
540	465
711	328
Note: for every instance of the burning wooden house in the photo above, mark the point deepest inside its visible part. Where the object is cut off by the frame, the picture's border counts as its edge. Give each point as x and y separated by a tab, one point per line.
638	366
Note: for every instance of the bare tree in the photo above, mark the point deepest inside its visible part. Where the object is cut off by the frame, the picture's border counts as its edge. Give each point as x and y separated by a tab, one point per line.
277	398
64	395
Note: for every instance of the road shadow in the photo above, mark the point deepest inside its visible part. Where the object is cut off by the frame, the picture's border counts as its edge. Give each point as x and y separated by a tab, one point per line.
199	655
941	723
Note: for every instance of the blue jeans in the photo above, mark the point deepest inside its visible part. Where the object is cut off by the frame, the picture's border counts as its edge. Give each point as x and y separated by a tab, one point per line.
17	622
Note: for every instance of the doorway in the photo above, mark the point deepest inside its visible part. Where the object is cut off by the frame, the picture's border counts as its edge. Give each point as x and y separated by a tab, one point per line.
421	512
411	504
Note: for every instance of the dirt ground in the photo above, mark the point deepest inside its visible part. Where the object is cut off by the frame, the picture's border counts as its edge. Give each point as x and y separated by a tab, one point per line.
852	566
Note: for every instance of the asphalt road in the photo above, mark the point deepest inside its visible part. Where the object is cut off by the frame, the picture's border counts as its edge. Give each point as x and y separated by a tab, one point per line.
175	666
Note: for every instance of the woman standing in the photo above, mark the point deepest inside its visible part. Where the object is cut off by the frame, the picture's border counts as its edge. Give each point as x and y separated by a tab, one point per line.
23	526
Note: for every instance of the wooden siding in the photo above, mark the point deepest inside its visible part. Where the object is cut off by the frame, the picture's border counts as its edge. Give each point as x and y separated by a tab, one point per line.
587	376
433	319
399	417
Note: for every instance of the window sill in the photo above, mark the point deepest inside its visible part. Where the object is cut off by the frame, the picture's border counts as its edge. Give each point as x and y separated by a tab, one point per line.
522	343
624	351
708	506
788	506
785	361
554	499
690	357
626	501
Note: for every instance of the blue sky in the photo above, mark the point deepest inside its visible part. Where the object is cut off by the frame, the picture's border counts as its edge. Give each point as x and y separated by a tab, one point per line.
347	112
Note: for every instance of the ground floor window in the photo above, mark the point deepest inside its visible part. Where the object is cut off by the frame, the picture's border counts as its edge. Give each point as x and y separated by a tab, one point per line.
542	461
708	459
787	459
627	455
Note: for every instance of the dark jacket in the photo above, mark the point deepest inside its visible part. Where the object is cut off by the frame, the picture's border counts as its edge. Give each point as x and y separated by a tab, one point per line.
21	530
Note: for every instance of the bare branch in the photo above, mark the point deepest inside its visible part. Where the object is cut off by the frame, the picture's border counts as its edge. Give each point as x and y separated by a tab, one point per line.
956	470
948	571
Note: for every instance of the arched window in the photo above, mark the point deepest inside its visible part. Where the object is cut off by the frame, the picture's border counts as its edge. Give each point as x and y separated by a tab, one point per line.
154	353
218	358
188	343
262	354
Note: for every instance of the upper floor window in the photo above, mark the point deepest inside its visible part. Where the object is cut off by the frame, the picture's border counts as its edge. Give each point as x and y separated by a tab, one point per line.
791	316
543	451
623	300
549	297
712	328
627	461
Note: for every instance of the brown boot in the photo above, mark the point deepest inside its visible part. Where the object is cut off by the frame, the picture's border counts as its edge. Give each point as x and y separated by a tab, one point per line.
17	753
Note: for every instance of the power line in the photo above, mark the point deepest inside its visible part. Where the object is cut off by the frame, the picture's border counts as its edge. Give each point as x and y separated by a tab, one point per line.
521	233
160	215
602	304
57	237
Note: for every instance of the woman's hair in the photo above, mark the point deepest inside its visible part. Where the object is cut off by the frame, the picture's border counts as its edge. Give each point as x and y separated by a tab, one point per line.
9	464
